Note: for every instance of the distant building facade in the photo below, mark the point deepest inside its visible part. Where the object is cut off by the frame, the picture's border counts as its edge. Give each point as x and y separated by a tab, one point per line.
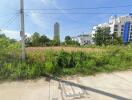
121	25
84	39
57	32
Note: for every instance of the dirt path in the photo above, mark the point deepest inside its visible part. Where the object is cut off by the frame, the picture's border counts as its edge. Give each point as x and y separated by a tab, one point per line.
115	86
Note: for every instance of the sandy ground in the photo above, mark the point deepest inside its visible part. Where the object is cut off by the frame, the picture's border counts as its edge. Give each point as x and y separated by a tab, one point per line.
115	86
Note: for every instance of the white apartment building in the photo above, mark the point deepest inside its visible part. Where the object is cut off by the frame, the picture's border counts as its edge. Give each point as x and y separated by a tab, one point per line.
121	25
83	39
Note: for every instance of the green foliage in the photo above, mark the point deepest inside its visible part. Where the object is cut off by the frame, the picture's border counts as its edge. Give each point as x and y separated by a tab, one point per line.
44	41
62	62
67	38
35	39
62	59
28	42
69	41
49	67
102	36
55	43
2	35
4	42
38	40
18	70
68	63
117	40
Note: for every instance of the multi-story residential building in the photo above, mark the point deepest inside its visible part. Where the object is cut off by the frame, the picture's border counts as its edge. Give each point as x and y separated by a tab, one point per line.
121	25
83	39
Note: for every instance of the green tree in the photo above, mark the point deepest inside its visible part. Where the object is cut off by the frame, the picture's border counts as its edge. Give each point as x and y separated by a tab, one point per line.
13	41
103	36
35	39
2	36
68	40
44	40
38	40
28	42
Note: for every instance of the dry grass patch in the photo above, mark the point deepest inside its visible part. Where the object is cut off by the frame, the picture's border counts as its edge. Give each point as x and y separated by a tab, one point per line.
68	49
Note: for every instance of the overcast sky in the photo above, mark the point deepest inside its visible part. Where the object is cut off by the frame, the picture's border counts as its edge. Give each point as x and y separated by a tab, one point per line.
71	24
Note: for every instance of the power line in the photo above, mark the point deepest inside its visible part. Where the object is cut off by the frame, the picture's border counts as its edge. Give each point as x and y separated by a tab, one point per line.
3	16
83	13
8	15
10	21
105	7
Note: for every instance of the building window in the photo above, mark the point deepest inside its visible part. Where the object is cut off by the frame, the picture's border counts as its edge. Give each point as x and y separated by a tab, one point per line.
131	26
121	33
122	29
116	28
122	26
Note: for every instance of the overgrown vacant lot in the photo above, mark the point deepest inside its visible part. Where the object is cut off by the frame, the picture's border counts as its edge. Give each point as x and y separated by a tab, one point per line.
82	60
61	61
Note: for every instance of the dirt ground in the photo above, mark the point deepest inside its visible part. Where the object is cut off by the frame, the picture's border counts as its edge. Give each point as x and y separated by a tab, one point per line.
114	86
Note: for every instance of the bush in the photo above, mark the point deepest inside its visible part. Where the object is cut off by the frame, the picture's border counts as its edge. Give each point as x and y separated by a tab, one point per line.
49	67
62	59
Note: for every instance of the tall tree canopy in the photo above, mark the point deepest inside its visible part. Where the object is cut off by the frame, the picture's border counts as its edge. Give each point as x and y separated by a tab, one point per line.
102	36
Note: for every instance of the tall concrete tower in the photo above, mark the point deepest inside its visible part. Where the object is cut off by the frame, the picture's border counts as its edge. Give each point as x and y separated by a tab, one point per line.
57	32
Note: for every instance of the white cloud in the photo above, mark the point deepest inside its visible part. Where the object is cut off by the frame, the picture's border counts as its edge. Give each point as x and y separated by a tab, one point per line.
13	34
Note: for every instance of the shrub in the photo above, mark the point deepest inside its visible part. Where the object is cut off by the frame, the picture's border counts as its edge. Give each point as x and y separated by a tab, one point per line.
49	67
62	59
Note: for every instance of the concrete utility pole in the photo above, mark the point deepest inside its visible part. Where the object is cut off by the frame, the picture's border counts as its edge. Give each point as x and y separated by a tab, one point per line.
22	31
